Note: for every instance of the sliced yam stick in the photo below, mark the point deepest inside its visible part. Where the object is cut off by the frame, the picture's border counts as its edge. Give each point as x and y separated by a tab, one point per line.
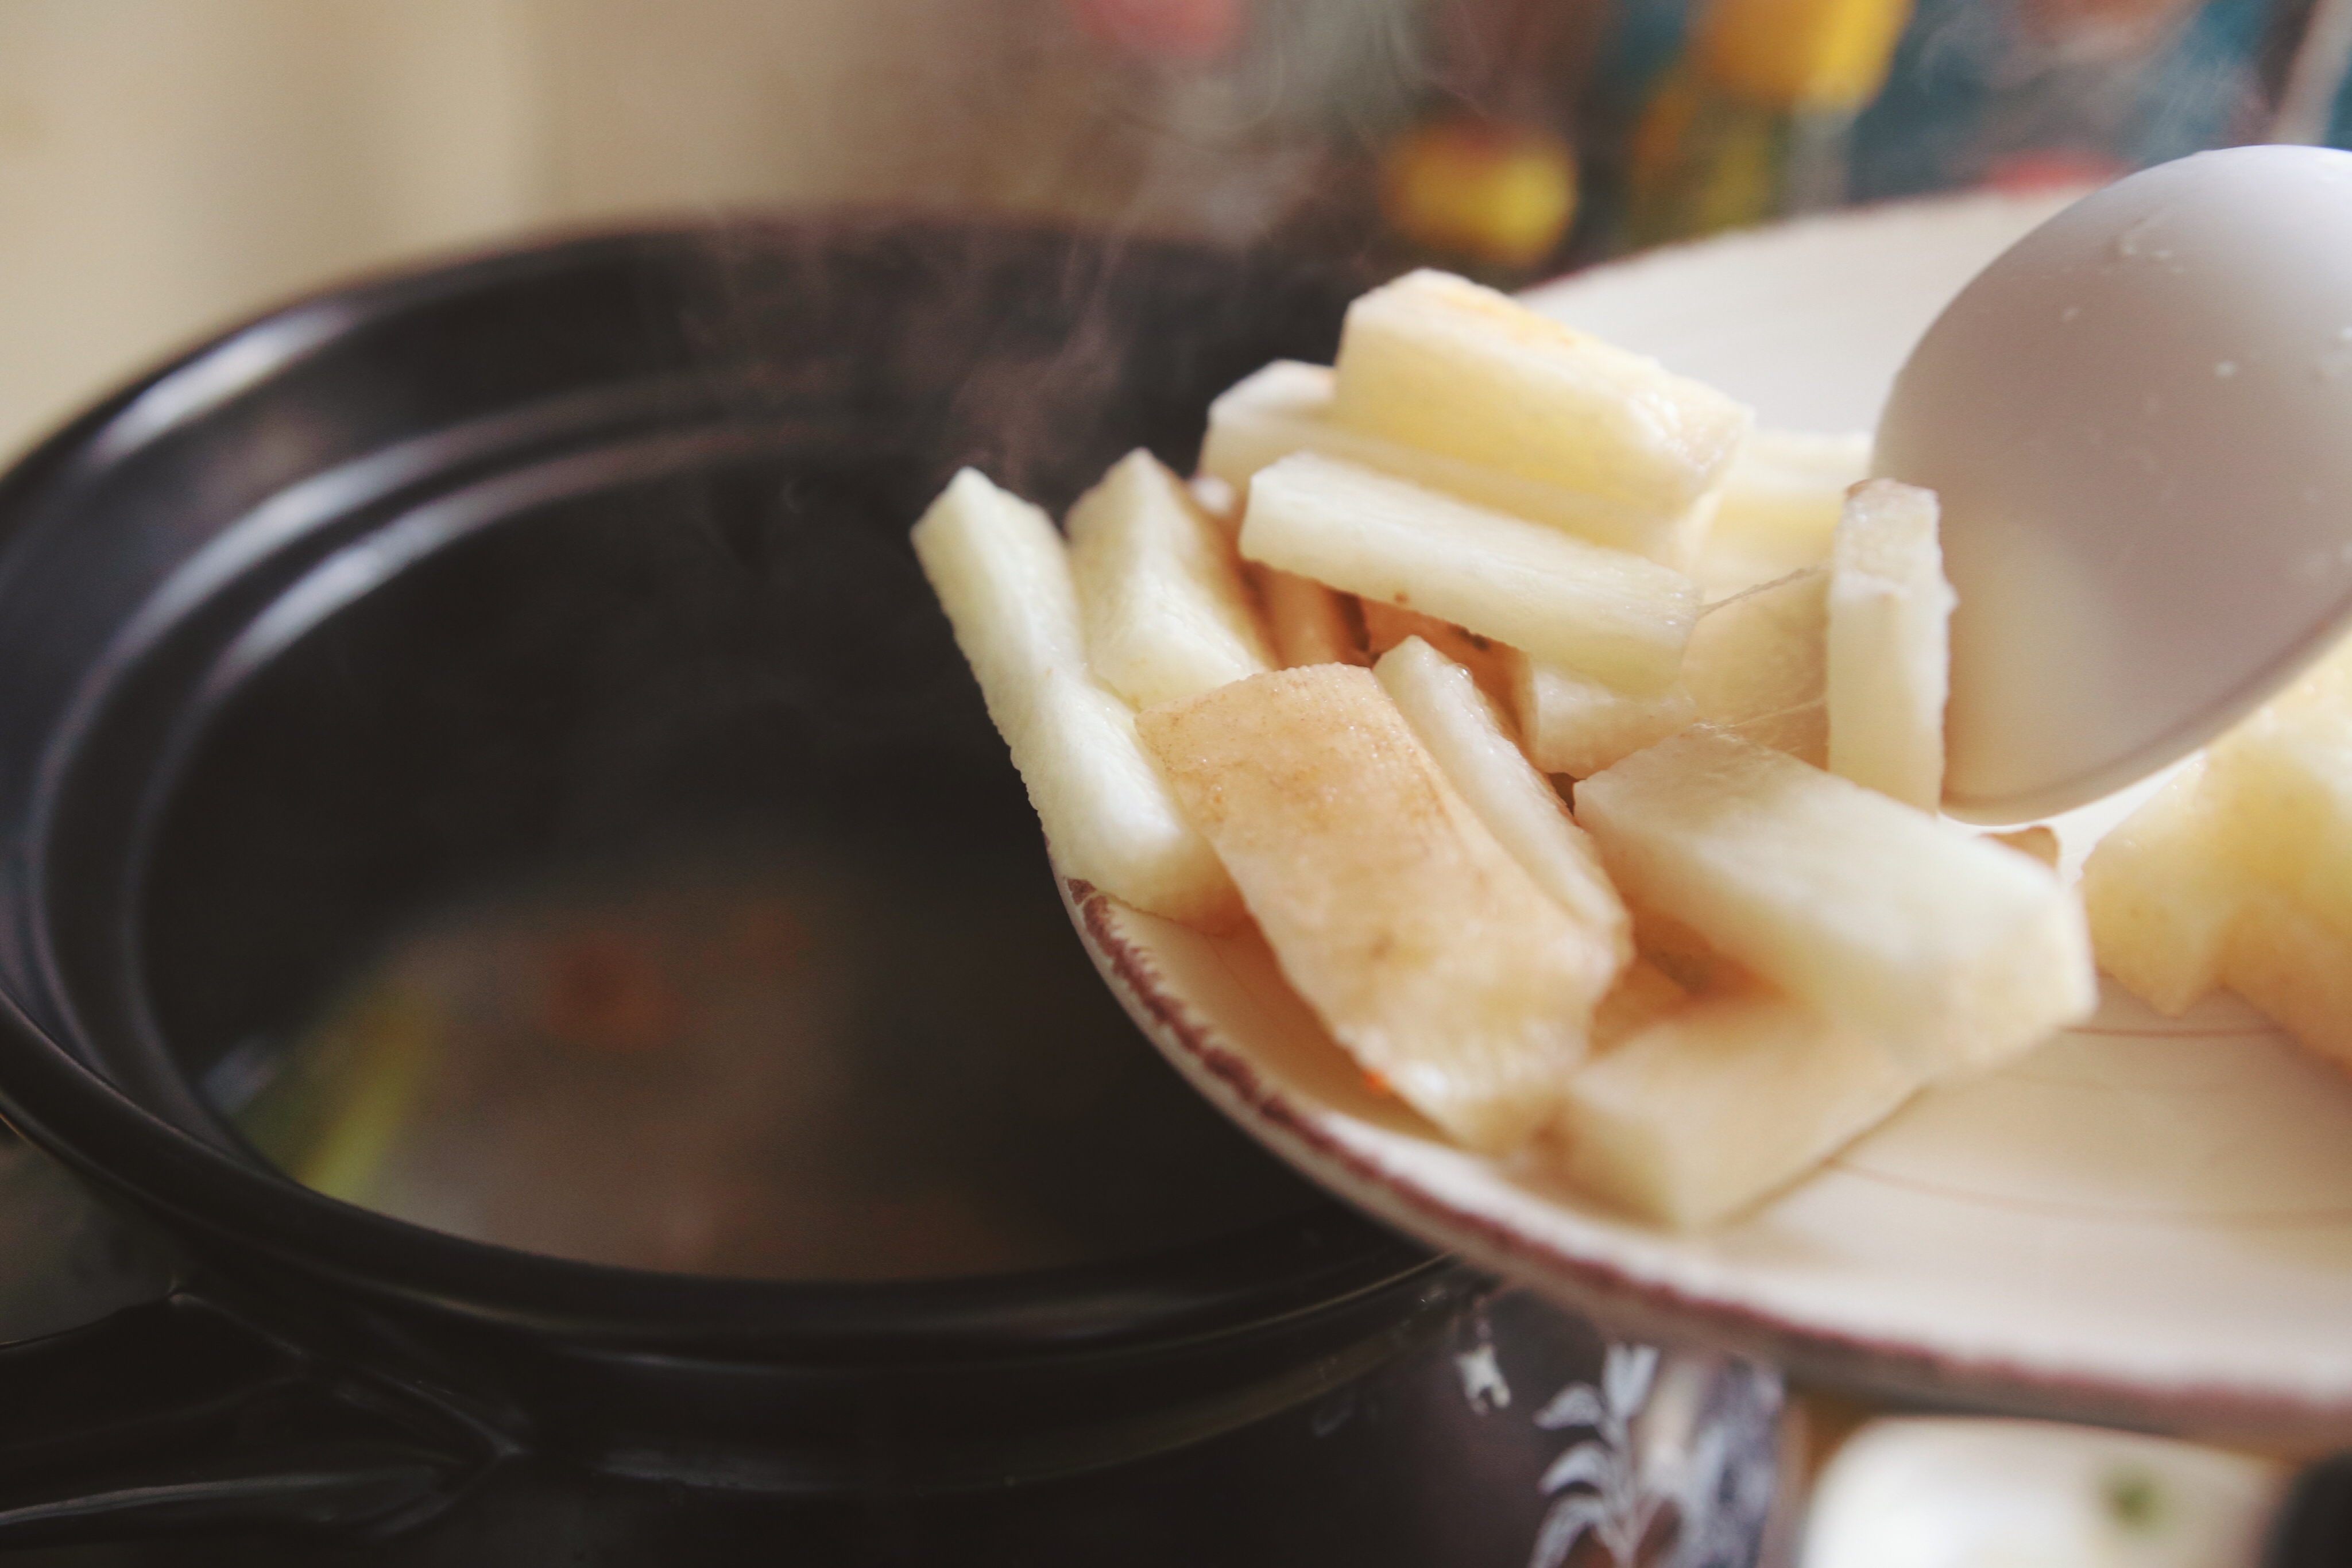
1620	618
1453	719
1265	417
1434	361
1220	500
1680	953
2237	868
1889	661
1159	589
1425	948
1002	577
1386	625
1721	1103
2162	894
2281	784
1758	664
2233	872
2295	967
1001	573
1307	622
1802	732
1575	725
1779	507
1490	663
2038	843
1948	951
1106	811
1286	408
1644	994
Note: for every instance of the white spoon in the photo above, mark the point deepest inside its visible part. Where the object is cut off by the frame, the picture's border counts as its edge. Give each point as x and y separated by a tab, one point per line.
2140	421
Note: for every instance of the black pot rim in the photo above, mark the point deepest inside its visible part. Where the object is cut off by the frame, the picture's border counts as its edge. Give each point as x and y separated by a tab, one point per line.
237	1209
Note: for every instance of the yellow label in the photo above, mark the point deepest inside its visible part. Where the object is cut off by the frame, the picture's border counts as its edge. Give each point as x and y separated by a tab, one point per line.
1497	193
1800	54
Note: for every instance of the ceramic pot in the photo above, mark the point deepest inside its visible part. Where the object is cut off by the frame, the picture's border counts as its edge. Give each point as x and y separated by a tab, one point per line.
503	565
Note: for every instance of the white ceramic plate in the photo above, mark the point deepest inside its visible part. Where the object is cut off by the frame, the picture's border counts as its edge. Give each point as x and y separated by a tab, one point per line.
2147	1222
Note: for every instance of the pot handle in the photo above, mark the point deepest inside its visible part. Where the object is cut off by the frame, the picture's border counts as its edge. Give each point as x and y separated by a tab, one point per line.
2313	1525
181	1414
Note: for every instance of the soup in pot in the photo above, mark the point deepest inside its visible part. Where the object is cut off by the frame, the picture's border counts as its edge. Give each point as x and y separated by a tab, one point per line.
769	1059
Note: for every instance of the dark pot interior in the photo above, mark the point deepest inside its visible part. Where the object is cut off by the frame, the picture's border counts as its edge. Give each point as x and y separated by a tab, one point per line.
563	570
712	675
590	556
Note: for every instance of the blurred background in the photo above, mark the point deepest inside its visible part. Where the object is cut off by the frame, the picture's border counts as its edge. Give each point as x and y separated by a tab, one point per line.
168	166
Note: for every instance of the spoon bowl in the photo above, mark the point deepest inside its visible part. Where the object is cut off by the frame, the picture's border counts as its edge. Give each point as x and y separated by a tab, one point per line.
2136	421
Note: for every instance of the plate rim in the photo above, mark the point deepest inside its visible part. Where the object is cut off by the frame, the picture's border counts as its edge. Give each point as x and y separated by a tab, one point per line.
1897	1367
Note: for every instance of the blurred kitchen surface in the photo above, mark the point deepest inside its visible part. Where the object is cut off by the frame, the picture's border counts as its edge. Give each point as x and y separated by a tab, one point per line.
167	166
